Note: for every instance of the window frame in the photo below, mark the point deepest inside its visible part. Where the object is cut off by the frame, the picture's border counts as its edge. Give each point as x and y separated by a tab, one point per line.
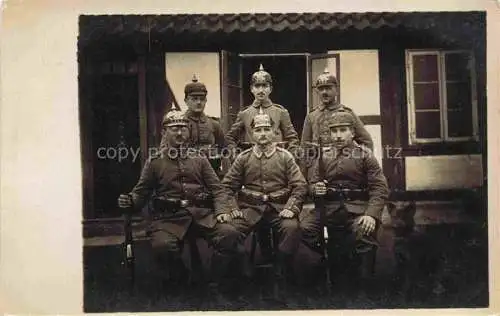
443	107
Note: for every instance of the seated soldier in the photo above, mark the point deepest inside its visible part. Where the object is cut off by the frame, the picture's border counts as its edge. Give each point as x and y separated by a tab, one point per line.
269	187
186	192
355	191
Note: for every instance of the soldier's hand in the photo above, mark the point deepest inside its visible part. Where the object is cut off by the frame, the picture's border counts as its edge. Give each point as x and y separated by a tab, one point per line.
236	214
366	224
319	188
124	201
223	218
286	213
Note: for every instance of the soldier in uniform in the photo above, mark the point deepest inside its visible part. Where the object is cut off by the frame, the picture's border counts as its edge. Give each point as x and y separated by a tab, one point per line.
283	131
355	191
186	194
316	122
205	132
267	184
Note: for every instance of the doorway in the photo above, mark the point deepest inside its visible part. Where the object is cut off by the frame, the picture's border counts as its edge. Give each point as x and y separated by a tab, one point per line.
115	131
289	74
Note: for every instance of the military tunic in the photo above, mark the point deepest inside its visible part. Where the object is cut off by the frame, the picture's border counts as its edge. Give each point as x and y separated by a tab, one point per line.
316	126
177	176
205	131
276	175
241	130
354	168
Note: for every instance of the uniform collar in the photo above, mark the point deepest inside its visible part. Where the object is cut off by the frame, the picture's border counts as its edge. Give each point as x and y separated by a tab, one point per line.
346	151
258	152
202	117
174	153
334	106
264	104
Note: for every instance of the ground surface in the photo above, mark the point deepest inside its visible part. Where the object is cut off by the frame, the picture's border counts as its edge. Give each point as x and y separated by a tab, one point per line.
462	276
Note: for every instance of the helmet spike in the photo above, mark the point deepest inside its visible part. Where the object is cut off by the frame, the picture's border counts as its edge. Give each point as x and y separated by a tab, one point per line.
261	76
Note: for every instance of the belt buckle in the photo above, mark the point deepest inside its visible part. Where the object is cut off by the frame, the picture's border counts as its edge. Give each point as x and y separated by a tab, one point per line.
184	203
265	198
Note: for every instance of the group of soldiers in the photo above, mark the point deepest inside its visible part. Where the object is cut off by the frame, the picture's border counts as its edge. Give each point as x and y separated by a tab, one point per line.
268	181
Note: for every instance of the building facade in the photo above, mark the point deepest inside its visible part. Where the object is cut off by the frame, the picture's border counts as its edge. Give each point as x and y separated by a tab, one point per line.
417	80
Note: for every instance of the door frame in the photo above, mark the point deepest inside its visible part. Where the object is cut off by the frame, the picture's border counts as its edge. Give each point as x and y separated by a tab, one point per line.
308	66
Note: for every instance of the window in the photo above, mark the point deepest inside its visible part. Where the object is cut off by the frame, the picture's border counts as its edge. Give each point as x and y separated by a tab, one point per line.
442	103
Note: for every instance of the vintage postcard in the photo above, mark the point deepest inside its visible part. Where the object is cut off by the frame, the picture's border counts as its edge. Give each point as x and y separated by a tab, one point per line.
291	158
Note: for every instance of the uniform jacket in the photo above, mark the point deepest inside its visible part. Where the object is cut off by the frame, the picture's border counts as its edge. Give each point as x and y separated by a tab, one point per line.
240	131
316	125
265	172
180	177
357	168
205	131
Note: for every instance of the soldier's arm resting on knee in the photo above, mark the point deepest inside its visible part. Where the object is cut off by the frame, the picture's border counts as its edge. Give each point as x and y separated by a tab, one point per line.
378	189
232	183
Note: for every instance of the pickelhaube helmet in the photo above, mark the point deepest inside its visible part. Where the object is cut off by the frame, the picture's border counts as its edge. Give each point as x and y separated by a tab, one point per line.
262	120
326	79
195	87
261	76
341	118
175	118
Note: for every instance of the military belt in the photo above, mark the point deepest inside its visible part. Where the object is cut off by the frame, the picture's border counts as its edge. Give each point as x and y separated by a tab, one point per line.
251	196
162	205
346	194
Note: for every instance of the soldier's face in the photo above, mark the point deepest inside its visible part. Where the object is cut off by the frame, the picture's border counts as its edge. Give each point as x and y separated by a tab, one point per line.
341	136
176	135
196	103
262	135
327	94
261	91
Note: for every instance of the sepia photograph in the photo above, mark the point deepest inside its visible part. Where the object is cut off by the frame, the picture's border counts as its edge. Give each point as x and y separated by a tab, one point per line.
283	161
259	157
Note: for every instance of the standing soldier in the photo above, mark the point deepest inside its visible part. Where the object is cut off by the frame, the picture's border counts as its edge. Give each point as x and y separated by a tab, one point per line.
316	122
240	133
355	191
186	194
269	186
205	133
